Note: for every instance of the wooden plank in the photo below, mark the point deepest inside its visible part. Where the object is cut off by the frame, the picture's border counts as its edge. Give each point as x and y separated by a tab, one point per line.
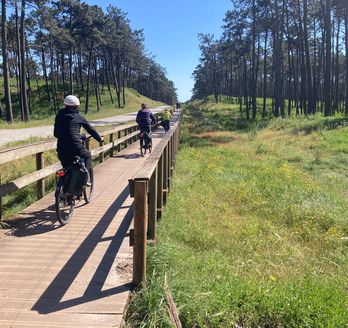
171	307
140	231
22	182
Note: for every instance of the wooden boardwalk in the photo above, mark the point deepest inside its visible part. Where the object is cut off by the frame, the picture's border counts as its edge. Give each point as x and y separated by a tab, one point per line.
78	275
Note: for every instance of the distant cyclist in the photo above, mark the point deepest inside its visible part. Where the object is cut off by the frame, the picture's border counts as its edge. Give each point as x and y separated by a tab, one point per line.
166	116
144	119
67	128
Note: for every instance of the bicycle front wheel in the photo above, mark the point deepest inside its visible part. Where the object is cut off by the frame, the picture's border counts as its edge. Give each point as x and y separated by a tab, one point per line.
64	204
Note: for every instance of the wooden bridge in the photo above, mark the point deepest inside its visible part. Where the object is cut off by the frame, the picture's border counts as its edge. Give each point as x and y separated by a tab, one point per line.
82	274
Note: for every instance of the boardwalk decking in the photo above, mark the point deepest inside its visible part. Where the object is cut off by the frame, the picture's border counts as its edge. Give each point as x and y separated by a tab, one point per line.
78	275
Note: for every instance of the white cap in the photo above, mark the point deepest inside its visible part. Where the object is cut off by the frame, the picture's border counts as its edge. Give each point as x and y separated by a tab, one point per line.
71	101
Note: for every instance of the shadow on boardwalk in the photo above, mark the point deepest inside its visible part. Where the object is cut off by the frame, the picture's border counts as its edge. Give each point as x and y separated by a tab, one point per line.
51	299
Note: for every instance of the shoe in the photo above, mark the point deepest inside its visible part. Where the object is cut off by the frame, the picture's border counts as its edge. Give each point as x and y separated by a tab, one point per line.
89	183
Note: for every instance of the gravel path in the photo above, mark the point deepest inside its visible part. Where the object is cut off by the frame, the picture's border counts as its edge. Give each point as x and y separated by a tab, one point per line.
11	135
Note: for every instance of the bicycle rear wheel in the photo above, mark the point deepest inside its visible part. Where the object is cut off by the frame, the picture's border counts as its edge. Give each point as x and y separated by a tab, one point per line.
64	204
88	192
142	150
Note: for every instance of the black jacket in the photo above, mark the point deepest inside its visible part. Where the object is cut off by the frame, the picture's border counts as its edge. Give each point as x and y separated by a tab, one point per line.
67	128
145	118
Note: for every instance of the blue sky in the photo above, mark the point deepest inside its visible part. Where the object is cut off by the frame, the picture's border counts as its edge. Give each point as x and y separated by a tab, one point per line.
171	28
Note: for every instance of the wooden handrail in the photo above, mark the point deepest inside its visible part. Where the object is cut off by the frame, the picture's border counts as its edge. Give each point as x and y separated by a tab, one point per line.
8	155
150	187
126	134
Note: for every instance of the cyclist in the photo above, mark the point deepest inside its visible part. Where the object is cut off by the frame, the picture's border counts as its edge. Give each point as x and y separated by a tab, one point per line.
166	116
67	126
144	119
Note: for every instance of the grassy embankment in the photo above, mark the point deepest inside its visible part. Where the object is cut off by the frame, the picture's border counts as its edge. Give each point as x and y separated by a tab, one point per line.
254	232
43	113
9	171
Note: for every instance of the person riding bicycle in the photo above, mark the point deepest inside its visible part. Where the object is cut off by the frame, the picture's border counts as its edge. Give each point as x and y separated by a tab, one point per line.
144	119
67	126
166	116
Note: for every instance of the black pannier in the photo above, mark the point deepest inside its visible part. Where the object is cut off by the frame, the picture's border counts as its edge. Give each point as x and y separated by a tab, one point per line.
77	178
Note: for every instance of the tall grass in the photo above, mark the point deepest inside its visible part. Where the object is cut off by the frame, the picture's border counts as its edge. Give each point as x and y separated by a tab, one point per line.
252	235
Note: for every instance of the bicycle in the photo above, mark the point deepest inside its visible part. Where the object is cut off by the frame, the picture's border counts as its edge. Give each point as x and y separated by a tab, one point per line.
145	143
65	201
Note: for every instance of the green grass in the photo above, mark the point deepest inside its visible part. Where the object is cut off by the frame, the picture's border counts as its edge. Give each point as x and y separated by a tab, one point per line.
43	113
252	232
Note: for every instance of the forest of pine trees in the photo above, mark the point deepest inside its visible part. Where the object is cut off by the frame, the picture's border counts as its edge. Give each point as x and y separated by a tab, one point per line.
291	51
72	47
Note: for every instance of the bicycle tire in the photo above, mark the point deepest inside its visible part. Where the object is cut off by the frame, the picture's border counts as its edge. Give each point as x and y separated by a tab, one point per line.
88	192
64	210
141	147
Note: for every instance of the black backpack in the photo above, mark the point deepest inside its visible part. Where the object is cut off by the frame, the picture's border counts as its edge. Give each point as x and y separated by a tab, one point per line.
77	178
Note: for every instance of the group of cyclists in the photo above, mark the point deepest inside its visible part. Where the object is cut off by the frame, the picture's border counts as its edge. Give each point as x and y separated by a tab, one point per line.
68	123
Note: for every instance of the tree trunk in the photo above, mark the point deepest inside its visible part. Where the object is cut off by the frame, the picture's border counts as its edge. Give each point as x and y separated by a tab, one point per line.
337	72
253	63
45	74
23	61
19	64
108	80
327	75
265	76
246	96
311	103
8	101
346	39
96	90
88	77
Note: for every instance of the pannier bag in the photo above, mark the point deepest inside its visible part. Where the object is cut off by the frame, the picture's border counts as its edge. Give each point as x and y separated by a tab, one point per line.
148	138
77	178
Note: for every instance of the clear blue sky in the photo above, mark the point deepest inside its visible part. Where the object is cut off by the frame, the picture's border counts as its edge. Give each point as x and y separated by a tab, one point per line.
171	28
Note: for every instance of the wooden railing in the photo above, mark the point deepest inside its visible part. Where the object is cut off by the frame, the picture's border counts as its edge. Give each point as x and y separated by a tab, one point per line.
114	138
150	188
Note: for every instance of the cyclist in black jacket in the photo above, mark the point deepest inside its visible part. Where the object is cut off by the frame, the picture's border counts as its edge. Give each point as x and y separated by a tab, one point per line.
145	118
67	128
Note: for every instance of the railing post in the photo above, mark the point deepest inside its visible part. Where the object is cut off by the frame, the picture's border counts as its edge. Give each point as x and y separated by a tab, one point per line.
119	137
40	183
140	231
151	230
169	154
165	174
101	156
1	213
160	187
112	148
